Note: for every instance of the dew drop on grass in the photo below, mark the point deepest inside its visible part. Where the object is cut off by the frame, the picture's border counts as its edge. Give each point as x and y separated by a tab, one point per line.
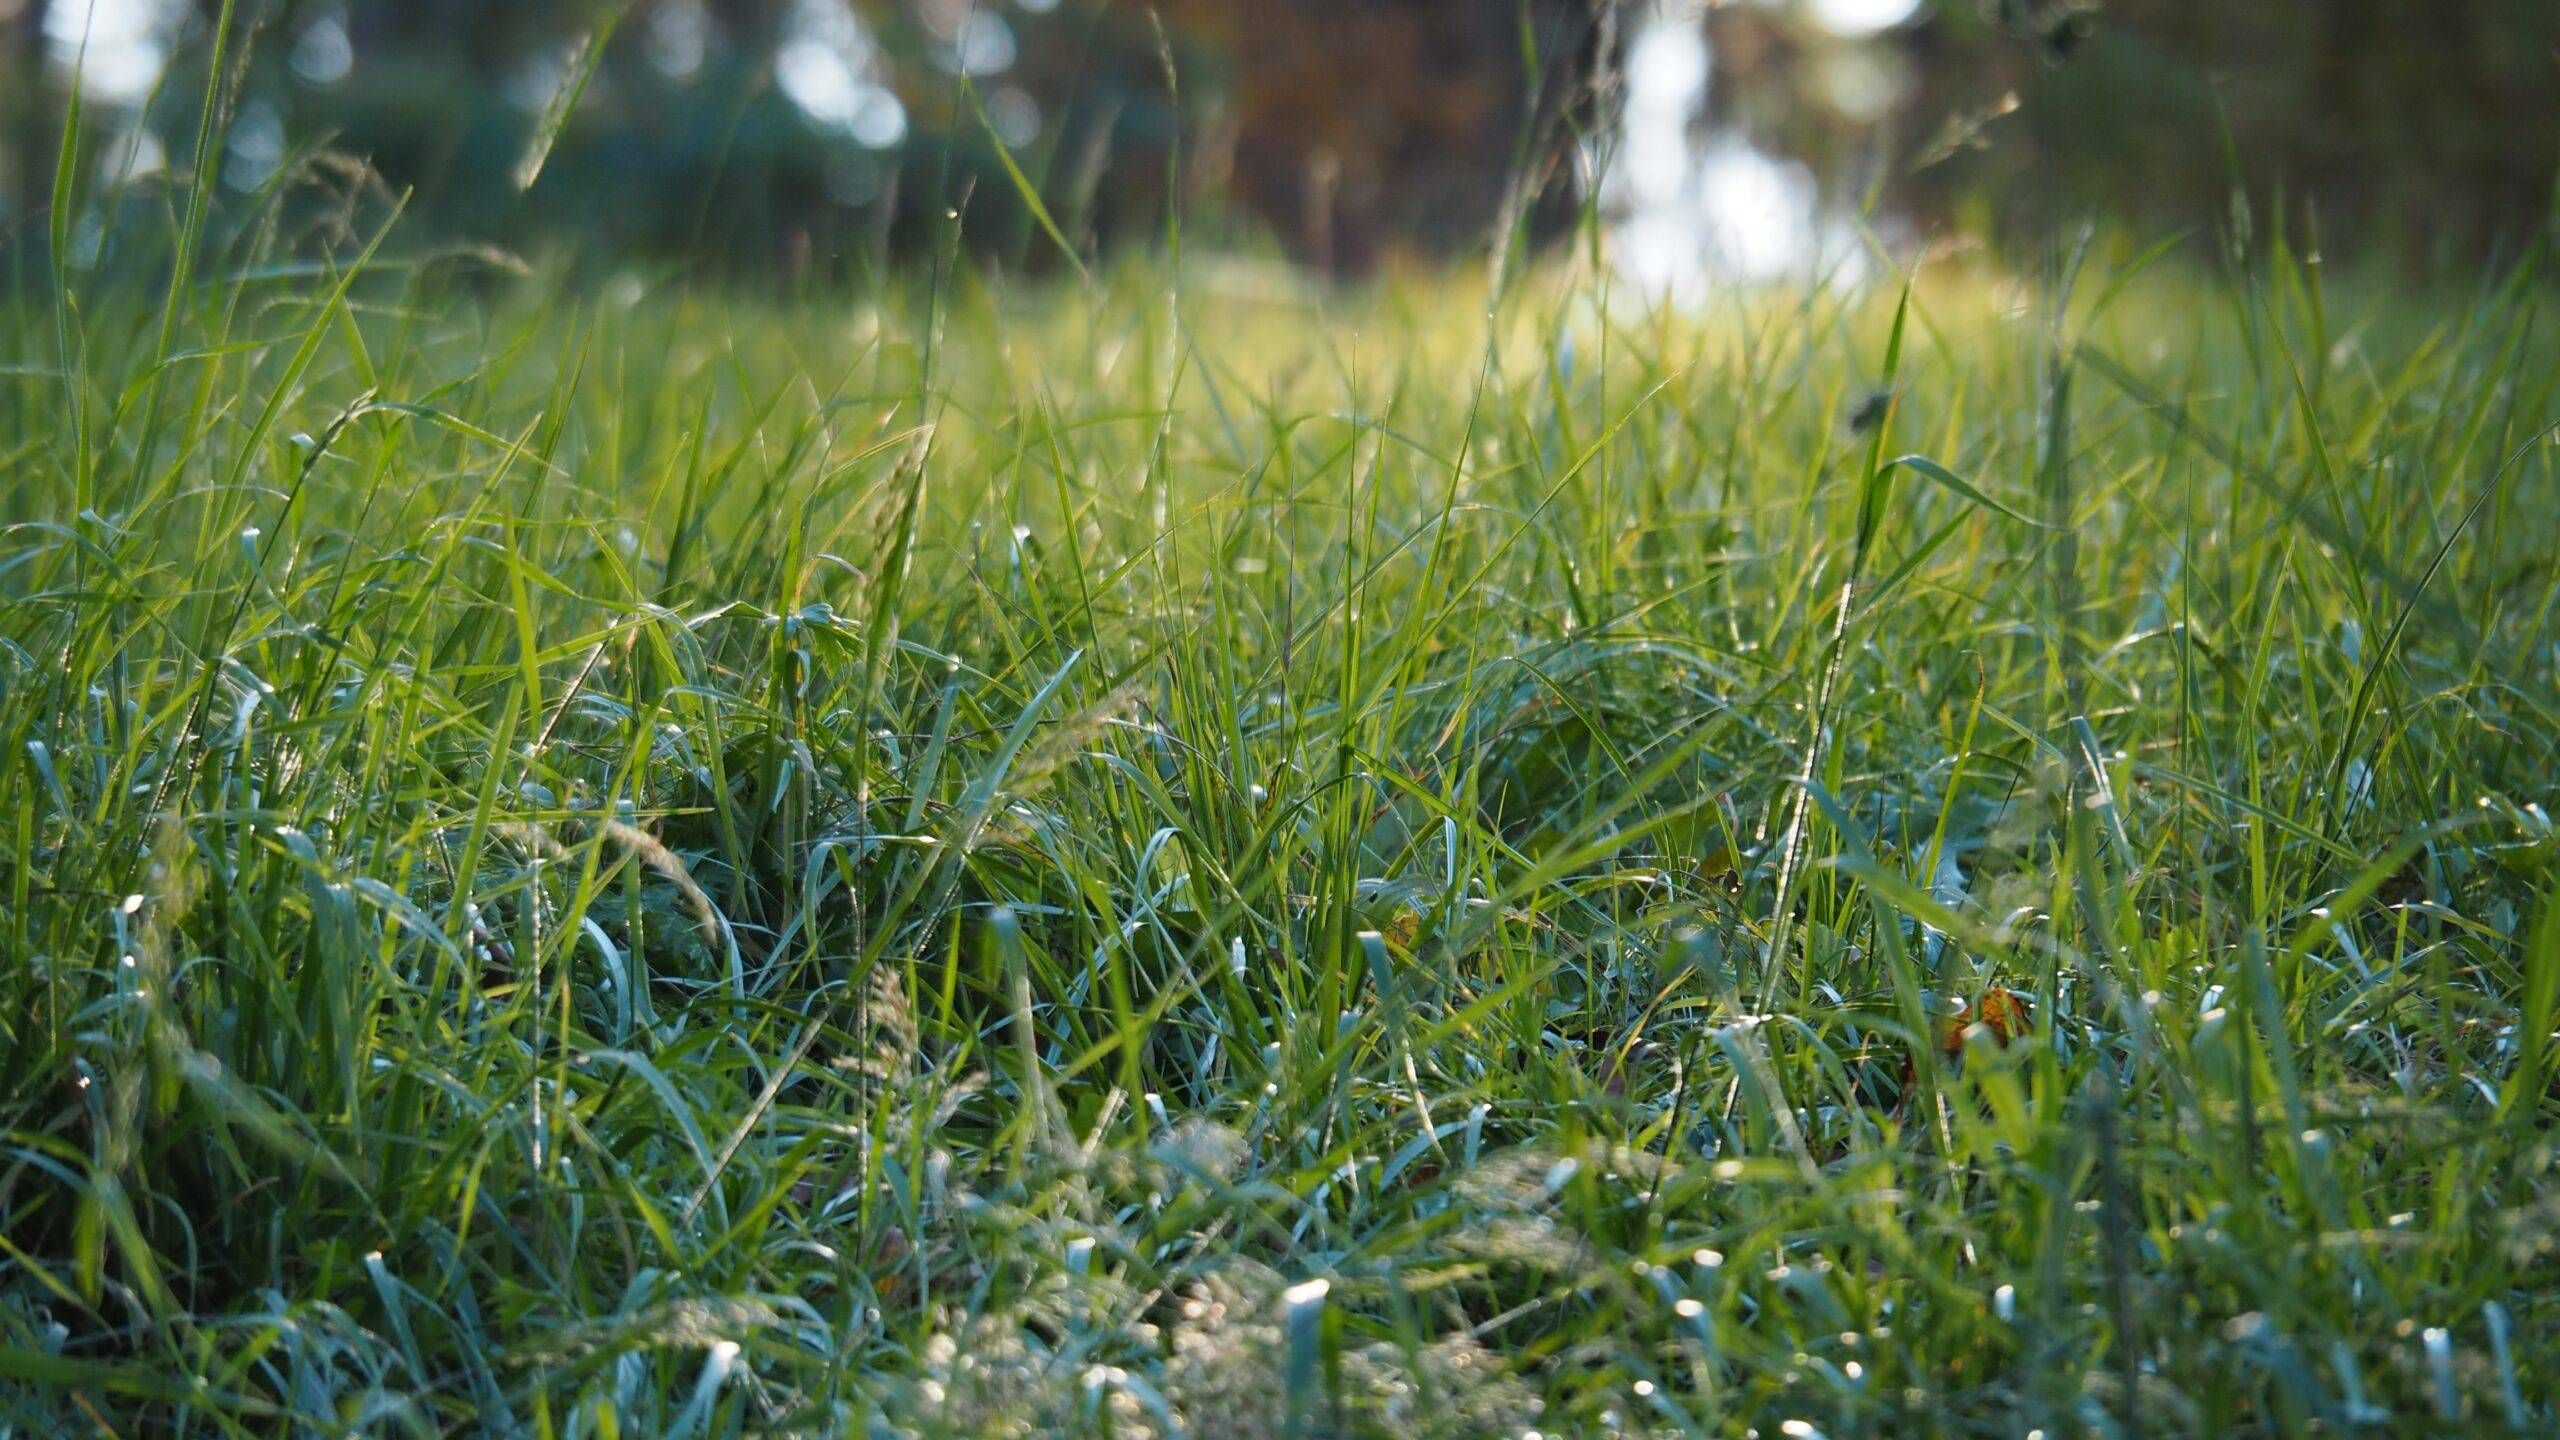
2439	1346
1302	1312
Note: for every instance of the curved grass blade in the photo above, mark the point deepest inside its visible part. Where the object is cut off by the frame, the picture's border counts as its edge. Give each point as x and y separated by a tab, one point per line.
580	69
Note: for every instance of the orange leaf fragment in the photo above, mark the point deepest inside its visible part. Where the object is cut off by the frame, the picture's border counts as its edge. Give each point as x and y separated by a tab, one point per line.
2000	1014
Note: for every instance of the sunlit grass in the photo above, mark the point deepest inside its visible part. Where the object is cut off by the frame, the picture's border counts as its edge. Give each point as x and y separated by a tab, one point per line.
1191	855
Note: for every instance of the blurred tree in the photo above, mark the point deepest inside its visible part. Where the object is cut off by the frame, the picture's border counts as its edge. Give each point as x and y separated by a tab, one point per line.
2429	126
1356	123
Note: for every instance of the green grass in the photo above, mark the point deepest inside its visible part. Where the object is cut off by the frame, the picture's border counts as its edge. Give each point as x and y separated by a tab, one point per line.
617	861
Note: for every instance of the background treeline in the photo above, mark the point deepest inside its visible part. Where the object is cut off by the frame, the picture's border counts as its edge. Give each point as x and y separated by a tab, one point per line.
816	133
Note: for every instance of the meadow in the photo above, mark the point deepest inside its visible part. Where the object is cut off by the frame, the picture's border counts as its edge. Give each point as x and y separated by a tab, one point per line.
1186	853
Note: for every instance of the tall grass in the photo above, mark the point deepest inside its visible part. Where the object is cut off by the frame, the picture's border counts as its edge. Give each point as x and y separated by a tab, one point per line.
612	860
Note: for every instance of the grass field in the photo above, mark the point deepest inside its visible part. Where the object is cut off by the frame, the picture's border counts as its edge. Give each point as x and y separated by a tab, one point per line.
1191	856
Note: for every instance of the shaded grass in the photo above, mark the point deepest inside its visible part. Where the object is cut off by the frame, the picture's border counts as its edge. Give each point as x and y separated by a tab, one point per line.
638	862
